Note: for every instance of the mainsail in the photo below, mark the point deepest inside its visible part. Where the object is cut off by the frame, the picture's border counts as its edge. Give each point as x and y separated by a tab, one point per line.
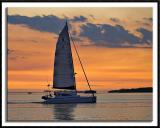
64	76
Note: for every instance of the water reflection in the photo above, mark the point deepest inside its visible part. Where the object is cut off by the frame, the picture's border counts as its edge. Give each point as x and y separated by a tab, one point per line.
64	111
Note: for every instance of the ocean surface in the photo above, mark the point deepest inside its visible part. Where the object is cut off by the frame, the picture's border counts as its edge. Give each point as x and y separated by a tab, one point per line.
109	107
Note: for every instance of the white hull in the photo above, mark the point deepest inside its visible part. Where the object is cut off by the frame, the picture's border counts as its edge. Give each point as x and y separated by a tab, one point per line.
70	99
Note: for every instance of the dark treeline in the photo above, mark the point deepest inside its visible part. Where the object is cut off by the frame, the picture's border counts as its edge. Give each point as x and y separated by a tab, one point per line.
133	90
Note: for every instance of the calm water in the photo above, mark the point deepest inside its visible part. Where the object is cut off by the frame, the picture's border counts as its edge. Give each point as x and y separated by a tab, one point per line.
109	107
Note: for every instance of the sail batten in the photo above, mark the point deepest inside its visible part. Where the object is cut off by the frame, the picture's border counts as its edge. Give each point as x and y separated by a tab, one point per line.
63	77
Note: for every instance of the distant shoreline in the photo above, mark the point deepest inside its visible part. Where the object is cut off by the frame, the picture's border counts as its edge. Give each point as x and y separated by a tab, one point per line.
133	90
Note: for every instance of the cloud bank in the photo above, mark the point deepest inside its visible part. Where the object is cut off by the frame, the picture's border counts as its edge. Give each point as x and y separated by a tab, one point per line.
115	36
99	34
46	23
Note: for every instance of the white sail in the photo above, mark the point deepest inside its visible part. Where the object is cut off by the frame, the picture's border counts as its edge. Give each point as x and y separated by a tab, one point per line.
63	77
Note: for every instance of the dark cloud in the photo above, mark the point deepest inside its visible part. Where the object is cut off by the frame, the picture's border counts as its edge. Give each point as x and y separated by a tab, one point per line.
45	23
115	20
110	36
146	35
100	34
79	19
48	23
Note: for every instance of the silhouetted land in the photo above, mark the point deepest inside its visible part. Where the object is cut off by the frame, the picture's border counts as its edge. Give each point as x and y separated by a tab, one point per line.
133	90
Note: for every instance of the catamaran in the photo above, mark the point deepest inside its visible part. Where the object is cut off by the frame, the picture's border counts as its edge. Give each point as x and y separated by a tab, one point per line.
64	75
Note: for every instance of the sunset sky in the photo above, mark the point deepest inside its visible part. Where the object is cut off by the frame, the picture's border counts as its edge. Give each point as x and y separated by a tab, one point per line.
115	45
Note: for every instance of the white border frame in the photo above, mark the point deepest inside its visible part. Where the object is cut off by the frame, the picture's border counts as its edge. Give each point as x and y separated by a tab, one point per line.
86	4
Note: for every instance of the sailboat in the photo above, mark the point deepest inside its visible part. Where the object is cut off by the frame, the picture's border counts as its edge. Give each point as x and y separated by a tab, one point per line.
64	75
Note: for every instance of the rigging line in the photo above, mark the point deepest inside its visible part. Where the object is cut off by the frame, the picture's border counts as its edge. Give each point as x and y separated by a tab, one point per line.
80	61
